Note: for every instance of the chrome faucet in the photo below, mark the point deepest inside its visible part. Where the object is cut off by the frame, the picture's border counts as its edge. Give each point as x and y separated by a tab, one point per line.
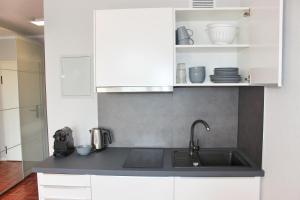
192	146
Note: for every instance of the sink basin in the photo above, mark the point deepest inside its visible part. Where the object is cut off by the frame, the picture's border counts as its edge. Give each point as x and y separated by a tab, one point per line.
209	158
222	159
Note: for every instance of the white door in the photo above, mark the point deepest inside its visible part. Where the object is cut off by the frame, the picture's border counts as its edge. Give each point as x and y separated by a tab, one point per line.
264	57
14	153
2	143
217	188
31	118
133	188
10	128
134	47
9	89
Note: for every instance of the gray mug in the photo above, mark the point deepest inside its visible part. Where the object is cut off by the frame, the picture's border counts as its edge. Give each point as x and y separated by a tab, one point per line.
188	41
183	33
197	74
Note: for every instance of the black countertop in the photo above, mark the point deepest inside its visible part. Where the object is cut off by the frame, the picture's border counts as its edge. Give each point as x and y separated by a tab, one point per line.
111	161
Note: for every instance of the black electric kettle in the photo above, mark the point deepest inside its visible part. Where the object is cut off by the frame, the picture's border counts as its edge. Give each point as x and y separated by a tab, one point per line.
100	138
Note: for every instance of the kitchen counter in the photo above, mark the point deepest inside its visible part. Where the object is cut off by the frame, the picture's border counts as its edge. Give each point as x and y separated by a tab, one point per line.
111	161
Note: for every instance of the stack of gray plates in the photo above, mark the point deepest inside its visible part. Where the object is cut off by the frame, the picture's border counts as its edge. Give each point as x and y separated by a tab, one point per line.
226	75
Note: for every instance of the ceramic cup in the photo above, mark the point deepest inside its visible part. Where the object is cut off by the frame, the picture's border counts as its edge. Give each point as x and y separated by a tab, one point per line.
183	33
183	36
188	41
197	74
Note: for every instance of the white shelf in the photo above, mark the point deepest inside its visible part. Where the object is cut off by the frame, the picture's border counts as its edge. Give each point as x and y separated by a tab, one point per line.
215	9
213	46
210	84
211	14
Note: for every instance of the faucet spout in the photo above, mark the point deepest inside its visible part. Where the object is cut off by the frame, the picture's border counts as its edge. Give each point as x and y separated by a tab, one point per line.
192	146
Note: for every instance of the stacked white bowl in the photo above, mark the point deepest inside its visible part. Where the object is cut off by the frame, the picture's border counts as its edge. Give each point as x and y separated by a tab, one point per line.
222	33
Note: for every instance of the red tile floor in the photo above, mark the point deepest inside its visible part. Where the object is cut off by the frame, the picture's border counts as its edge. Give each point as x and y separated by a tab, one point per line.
25	190
11	172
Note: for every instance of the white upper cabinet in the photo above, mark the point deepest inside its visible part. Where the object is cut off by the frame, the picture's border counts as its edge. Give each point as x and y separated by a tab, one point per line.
134	48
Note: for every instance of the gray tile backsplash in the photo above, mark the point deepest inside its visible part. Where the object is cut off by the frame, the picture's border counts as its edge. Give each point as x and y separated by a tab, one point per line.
164	119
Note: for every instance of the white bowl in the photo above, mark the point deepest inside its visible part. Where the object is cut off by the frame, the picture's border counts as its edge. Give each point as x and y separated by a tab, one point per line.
84	149
222	34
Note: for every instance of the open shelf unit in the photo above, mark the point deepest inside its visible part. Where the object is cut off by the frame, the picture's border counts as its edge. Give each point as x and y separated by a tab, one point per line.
256	50
205	53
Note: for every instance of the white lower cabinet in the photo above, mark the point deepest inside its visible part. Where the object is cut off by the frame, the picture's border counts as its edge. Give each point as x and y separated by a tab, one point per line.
64	187
86	187
217	188
132	188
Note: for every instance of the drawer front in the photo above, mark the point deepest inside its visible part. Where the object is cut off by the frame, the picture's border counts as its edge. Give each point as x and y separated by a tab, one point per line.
217	188
64	193
64	180
132	188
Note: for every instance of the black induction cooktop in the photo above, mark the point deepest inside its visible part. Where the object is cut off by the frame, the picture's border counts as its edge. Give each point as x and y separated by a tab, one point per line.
144	158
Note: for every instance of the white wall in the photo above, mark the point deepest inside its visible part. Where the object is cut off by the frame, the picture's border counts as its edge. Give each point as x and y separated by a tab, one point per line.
281	155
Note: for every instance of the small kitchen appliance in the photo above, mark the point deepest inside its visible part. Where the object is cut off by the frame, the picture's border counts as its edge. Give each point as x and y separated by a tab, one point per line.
100	138
63	142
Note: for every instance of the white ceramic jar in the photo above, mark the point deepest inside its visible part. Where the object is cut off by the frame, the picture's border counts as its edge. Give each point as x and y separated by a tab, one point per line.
181	73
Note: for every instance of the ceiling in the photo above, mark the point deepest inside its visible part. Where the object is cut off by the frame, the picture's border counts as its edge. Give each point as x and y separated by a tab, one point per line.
17	14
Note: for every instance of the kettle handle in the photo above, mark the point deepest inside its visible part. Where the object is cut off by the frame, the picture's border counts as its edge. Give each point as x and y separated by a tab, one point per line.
109	138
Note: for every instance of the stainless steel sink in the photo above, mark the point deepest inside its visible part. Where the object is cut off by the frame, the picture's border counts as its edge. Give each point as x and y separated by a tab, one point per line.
209	158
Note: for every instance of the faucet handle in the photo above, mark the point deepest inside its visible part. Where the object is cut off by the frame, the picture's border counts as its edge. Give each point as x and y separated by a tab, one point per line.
196	147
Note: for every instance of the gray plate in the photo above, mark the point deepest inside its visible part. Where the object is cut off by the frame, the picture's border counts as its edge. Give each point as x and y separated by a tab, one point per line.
226	69
226	73
225	79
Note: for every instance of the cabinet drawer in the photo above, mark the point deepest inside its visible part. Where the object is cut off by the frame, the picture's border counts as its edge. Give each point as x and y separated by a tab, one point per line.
64	193
217	188
132	188
63	180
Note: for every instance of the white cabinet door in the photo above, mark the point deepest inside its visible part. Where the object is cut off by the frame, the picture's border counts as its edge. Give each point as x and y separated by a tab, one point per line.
134	47
217	188
9	89
64	187
133	188
264	57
